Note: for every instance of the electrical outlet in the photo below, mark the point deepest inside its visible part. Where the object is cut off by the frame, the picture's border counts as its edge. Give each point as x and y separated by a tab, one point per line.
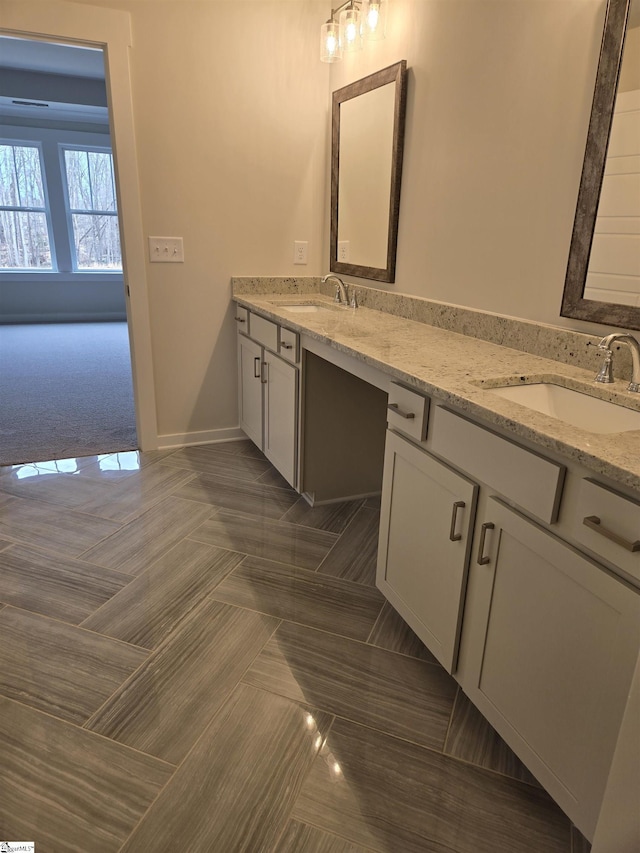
343	251
166	250
300	252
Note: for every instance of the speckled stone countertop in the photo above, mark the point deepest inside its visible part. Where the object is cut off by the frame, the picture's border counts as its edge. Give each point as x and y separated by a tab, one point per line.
460	370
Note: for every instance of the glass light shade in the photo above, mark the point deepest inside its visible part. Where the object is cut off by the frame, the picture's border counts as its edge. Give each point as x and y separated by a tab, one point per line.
330	42
374	19
350	26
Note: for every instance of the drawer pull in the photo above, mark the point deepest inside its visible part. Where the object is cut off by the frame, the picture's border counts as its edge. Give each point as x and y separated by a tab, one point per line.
593	523
453	536
286	346
395	408
256	367
483	560
240	319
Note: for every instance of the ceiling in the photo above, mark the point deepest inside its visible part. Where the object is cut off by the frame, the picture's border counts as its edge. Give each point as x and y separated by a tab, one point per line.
51	58
61	60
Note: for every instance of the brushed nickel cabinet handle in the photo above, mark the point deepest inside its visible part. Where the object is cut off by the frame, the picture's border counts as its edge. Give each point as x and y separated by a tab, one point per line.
240	319
594	523
453	536
395	408
286	346
262	372
482	560
256	367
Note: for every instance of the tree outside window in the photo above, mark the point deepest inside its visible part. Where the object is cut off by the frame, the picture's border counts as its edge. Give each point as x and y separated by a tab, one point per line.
93	209
24	230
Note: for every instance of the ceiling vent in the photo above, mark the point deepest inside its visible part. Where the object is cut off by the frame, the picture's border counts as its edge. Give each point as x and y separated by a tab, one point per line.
21	108
29	103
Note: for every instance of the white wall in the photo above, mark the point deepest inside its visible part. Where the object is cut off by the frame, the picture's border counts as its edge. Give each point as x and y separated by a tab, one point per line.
498	108
230	114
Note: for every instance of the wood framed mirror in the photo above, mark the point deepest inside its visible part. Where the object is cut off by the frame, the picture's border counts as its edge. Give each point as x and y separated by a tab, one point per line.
368	119
603	273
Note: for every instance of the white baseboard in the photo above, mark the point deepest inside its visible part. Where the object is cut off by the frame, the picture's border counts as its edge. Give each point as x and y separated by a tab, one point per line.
207	436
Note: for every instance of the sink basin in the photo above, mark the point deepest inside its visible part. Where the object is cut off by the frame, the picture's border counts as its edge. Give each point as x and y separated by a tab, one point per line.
305	308
572	407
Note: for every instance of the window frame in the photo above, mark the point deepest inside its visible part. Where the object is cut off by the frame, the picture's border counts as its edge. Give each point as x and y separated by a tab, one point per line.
38	145
70	211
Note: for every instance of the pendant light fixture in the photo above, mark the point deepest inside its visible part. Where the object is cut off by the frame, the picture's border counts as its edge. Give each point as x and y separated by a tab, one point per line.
349	24
374	19
350	28
330	42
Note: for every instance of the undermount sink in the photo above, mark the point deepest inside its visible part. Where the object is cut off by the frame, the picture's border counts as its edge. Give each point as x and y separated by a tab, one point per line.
306	308
572	407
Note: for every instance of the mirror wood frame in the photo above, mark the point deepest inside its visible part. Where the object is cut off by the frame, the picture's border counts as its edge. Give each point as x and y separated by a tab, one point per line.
396	74
574	303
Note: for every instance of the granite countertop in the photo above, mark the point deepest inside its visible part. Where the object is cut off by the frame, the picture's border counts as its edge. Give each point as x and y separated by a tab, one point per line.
457	369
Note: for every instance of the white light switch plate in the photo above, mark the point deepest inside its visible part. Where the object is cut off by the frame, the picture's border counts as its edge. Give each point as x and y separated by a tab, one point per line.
166	250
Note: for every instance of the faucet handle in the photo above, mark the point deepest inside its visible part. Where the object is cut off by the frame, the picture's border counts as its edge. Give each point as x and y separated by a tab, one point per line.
605	374
337	298
354	298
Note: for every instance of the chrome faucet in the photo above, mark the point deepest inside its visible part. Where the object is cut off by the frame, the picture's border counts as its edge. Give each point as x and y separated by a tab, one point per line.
605	374
342	292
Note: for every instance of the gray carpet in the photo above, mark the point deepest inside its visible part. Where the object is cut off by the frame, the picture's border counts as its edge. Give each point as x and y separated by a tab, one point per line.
65	390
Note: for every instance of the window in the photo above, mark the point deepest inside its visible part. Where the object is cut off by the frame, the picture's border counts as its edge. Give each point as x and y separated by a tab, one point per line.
91	199
24	229
58	206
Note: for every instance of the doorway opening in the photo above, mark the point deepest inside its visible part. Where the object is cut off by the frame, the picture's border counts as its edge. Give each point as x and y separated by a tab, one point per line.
65	366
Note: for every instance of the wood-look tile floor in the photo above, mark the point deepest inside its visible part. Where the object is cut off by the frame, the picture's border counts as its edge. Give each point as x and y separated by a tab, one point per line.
191	658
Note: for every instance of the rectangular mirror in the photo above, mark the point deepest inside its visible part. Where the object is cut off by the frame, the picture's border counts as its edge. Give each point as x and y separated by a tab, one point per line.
366	167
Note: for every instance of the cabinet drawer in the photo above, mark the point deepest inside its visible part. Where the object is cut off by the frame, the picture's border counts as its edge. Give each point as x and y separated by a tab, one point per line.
608	524
264	332
527	479
242	318
408	411
289	345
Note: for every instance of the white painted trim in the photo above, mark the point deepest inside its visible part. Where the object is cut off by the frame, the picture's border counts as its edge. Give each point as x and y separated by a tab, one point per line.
207	436
111	30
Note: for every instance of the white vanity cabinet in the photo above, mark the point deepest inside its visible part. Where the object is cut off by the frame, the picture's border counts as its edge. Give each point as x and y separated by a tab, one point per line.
250	356
549	646
426	525
519	569
268	390
542	637
280	441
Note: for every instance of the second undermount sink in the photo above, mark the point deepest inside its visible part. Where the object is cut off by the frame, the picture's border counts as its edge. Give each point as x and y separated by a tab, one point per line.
572	407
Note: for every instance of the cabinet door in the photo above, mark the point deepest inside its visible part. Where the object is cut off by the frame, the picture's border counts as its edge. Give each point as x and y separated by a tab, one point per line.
551	640
281	416
425	534
250	372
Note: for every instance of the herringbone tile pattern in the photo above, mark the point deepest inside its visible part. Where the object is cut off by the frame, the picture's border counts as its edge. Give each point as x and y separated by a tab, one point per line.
191	658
